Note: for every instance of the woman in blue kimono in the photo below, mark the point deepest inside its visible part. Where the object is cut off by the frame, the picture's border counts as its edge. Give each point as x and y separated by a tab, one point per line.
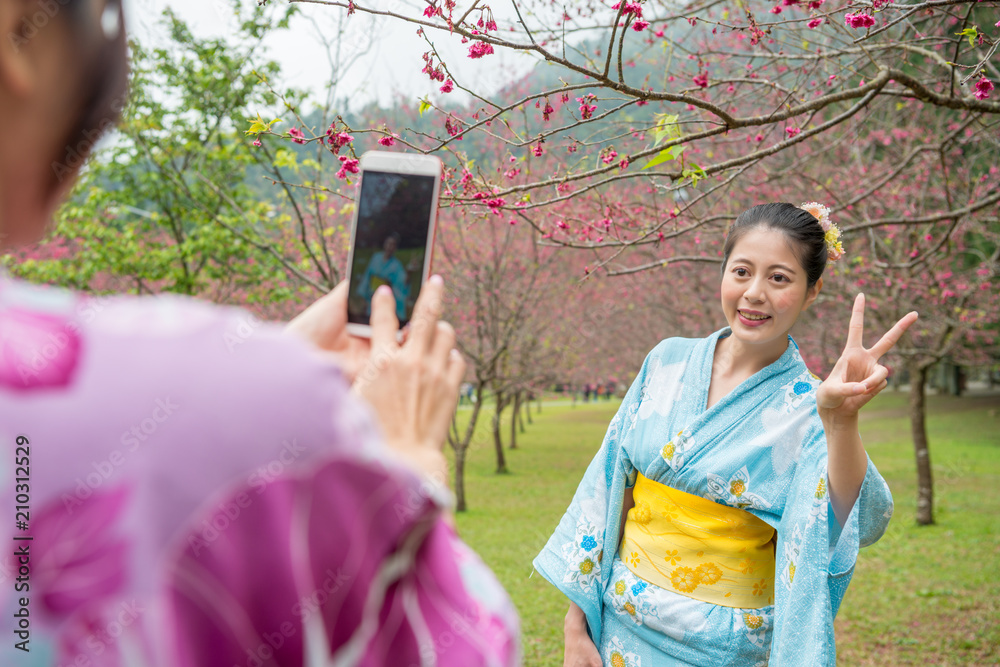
384	268
721	519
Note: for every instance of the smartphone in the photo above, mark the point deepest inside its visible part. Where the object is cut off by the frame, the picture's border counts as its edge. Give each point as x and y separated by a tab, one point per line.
392	234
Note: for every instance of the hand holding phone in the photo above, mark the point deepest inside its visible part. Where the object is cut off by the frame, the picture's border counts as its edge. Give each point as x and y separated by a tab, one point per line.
392	235
413	386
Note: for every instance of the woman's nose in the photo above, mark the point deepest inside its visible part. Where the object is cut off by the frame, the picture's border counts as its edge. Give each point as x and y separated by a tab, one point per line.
754	292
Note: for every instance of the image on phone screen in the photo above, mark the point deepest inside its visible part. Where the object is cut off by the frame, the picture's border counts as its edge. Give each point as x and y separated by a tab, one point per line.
390	241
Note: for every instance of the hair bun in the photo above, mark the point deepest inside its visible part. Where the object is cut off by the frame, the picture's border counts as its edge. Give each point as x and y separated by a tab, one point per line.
834	248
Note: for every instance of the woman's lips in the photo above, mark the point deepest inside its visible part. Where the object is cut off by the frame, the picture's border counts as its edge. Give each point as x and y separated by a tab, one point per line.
747	322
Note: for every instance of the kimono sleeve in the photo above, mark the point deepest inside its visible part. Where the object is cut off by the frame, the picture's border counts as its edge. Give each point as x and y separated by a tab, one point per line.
865	525
577	558
815	557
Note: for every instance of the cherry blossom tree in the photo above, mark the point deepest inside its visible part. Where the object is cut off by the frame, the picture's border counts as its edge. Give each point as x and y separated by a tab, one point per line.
689	97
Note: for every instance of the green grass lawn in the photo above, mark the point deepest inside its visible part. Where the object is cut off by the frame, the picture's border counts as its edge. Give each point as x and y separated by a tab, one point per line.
920	596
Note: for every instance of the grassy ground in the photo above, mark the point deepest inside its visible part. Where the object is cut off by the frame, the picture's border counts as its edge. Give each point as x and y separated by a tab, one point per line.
920	596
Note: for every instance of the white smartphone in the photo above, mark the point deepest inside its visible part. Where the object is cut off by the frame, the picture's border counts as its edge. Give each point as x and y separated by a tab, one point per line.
393	233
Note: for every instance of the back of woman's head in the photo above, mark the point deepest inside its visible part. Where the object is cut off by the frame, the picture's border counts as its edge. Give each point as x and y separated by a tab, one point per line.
802	230
101	54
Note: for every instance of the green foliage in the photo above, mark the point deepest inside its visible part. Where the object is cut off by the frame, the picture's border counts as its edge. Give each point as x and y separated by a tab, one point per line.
167	205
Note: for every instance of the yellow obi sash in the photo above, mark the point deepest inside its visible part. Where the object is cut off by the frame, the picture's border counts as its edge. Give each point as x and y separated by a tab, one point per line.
698	548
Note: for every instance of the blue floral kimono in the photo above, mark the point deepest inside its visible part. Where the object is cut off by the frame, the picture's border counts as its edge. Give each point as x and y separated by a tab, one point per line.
764	441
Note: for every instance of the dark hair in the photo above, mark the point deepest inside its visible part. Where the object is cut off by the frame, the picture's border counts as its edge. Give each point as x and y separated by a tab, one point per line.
102	50
800	227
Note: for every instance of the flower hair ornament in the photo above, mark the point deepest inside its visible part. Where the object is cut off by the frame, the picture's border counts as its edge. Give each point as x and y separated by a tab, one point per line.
834	248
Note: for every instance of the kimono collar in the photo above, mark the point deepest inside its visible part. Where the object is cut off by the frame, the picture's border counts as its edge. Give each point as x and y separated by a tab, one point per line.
699	371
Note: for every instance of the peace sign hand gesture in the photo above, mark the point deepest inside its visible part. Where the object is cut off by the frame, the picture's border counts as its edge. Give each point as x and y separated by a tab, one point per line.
858	376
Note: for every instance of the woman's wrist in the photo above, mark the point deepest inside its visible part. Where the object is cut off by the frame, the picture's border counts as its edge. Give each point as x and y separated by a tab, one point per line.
576	621
838	424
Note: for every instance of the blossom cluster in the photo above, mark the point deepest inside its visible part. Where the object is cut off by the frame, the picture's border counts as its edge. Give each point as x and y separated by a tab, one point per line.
983	88
859	20
337	140
480	49
435	72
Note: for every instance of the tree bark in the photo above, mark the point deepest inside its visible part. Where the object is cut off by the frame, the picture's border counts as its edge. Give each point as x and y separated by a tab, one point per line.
918	426
518	413
460	445
514	414
460	479
497	440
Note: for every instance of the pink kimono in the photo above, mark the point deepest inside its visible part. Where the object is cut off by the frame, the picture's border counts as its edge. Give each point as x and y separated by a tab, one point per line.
193	488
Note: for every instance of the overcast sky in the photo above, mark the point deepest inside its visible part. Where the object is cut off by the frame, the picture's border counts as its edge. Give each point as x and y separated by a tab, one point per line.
391	67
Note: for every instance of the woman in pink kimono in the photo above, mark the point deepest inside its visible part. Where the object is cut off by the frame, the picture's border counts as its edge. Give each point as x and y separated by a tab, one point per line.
192	486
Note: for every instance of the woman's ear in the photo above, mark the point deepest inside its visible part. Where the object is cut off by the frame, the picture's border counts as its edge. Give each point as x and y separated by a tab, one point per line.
812	293
18	27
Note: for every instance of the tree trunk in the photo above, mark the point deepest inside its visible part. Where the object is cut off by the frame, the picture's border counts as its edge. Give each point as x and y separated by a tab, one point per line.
497	440
918	426
460	445
460	479
514	414
518	413
527	411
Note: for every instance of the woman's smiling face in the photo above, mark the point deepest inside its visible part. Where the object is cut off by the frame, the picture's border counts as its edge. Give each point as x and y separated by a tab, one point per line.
764	288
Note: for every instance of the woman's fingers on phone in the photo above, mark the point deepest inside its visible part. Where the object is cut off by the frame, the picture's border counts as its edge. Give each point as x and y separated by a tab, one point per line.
456	369
426	313
383	320
443	344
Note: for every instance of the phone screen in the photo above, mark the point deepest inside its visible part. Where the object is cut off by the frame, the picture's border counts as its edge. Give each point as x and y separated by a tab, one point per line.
390	241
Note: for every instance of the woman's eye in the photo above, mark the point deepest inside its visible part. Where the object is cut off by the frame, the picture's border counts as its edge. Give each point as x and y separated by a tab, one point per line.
780	278
742	273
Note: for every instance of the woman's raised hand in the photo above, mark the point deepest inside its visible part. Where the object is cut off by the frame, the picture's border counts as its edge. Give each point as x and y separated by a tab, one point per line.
858	376
324	324
413	386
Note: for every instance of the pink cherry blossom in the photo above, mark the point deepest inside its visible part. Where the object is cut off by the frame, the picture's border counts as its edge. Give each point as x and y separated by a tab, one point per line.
814	23
297	135
337	140
792	131
480	49
448	86
347	165
387	141
701	80
859	20
586	108
983	88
